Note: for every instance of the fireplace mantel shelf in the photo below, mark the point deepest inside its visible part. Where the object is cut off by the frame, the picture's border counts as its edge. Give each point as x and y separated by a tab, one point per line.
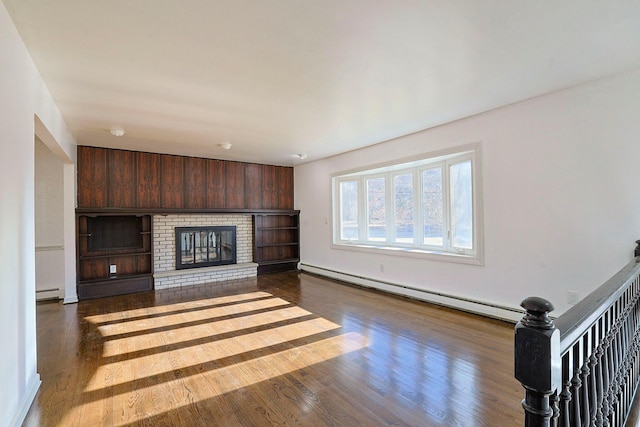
165	211
187	271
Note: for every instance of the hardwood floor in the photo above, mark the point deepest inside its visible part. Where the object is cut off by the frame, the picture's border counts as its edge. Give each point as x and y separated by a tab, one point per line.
285	349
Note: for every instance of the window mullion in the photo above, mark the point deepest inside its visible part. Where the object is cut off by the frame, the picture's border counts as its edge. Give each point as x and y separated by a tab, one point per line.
390	207
418	206
362	210
446	206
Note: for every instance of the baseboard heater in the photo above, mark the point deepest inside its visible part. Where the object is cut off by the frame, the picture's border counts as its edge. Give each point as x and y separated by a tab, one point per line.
510	314
47	290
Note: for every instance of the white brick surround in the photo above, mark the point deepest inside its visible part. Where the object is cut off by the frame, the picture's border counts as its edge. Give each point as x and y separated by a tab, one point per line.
164	253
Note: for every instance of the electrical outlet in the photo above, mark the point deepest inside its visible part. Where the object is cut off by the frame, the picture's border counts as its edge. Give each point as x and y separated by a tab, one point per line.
112	269
573	297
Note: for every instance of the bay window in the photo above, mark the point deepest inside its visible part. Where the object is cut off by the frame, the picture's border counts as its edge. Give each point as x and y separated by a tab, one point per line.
427	205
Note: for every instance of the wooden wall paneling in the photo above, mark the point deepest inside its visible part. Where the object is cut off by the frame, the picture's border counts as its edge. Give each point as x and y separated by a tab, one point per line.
148	180
172	182
195	190
92	177
127	265
216	184
254	186
235	185
270	187
143	264
92	269
121	174
285	188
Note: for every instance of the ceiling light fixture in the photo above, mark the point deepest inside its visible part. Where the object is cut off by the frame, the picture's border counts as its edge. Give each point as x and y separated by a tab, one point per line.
117	131
302	155
225	146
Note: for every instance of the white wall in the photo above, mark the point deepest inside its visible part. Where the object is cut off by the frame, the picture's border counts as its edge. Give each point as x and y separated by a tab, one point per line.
24	97
49	223
561	206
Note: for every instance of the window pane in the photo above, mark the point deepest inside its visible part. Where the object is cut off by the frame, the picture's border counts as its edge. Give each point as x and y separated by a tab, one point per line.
403	195
432	207
376	218
461	205
349	210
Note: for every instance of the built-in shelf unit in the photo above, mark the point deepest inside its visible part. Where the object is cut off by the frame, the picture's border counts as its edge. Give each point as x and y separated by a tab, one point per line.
114	254
276	241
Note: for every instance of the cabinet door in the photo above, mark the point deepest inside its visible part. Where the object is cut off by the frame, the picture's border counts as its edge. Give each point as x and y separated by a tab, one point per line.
254	186
172	182
270	187
195	193
148	180
285	188
216	184
92	177
121	173
235	185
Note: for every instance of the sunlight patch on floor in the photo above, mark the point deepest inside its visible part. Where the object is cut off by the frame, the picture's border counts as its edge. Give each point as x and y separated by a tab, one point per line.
186	334
202	353
142	401
167	308
143	324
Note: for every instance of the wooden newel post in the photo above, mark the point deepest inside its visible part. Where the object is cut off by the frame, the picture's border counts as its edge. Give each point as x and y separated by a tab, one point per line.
537	360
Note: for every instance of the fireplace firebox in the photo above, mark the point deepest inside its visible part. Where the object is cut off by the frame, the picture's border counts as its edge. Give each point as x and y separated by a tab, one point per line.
205	246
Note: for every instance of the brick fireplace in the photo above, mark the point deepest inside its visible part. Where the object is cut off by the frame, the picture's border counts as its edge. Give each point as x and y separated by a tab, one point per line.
164	257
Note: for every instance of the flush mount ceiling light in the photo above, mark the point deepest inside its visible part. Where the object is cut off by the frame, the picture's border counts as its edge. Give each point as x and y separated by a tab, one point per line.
225	146
302	155
116	131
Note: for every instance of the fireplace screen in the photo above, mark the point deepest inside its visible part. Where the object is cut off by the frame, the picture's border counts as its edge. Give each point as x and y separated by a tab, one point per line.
205	246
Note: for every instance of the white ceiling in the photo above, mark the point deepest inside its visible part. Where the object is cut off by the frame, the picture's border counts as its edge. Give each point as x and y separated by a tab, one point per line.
280	77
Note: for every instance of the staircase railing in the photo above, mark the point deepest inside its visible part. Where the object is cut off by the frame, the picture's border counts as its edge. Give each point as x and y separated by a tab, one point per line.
583	368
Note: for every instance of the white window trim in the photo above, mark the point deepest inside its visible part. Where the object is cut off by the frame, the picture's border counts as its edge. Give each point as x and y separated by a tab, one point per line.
416	164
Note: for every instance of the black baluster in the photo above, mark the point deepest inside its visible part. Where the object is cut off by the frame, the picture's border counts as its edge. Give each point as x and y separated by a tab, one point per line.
585	373
555	411
576	386
565	399
593	388
604	363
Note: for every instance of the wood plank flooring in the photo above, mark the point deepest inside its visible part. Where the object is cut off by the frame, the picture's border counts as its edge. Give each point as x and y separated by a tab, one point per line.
287	349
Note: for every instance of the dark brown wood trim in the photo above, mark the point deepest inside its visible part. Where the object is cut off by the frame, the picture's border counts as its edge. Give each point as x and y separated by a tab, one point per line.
162	211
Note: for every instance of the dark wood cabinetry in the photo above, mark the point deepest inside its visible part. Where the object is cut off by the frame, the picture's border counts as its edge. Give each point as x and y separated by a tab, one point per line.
116	187
121	189
277	241
172	189
92	177
114	254
147	177
123	179
216	183
195	175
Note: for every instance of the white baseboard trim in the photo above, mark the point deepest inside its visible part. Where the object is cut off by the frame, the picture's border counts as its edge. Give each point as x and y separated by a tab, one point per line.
484	308
70	300
32	389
